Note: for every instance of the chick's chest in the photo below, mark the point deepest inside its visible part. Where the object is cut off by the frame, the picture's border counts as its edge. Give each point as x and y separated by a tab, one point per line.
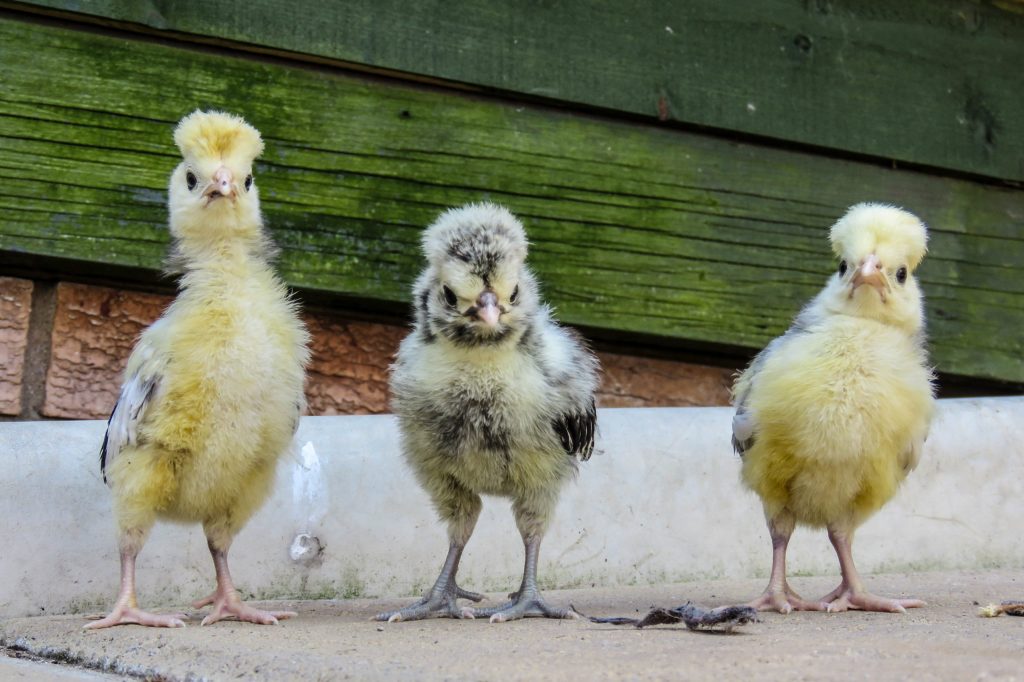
506	382
238	345
842	374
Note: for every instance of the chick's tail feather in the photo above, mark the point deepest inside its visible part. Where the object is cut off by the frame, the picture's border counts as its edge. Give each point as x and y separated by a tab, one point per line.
695	617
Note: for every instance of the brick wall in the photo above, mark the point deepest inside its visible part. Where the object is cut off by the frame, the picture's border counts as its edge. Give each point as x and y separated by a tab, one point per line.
15	306
91	330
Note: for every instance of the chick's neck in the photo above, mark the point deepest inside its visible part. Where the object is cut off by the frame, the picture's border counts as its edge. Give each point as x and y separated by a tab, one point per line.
221	257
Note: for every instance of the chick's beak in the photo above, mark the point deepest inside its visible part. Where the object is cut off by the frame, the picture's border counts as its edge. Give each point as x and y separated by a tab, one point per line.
221	185
487	310
870	272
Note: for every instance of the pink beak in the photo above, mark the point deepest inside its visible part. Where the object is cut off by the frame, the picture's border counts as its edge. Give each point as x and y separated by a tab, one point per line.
487	309
870	272
222	185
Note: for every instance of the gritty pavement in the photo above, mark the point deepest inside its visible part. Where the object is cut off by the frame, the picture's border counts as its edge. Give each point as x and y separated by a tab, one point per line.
18	667
336	640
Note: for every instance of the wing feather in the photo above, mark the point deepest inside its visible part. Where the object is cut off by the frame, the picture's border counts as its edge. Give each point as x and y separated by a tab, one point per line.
912	455
142	380
743	427
123	425
576	431
744	422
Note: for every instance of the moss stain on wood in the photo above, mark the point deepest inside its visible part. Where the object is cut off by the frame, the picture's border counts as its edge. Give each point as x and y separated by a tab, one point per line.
635	229
930	82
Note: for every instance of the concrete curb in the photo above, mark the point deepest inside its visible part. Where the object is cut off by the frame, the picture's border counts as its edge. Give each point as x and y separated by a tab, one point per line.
660	503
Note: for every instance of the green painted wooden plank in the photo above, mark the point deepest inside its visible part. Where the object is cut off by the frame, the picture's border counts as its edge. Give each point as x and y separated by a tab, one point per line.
929	82
636	229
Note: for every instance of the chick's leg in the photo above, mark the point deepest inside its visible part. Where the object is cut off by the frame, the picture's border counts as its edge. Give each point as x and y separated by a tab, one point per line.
126	610
779	596
227	603
851	593
461	508
527	602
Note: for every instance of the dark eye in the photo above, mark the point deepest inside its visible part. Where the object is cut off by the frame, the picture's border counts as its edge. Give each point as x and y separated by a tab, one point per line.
842	268
449	296
515	295
190	180
248	182
901	275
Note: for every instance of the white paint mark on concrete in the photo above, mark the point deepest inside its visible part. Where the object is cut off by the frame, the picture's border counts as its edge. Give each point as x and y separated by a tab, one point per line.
309	489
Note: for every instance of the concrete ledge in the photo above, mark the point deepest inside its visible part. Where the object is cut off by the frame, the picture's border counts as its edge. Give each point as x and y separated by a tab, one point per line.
660	503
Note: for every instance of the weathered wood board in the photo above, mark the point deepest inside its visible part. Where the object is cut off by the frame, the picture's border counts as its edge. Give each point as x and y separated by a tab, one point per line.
635	229
930	82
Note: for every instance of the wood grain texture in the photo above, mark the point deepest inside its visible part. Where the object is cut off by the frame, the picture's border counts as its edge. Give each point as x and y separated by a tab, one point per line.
930	82
634	229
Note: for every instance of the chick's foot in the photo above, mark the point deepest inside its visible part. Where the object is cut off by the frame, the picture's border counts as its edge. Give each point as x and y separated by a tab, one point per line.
525	604
845	599
785	600
440	602
229	606
205	601
442	599
130	615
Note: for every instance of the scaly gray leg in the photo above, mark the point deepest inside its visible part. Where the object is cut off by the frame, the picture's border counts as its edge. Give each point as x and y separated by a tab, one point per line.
527	602
440	601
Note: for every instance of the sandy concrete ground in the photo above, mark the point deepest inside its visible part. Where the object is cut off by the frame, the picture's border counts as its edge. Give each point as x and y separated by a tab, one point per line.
21	668
336	640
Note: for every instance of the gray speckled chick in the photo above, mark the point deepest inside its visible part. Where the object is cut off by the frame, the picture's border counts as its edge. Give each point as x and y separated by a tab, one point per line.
492	396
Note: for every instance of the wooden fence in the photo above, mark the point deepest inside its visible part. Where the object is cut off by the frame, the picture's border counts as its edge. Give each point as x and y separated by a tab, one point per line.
677	164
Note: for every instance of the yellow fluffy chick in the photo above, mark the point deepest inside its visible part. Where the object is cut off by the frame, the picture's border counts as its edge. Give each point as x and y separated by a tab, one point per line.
832	416
213	390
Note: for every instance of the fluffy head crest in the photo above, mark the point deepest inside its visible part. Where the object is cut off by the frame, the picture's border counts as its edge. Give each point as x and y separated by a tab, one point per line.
214	135
481	235
892	234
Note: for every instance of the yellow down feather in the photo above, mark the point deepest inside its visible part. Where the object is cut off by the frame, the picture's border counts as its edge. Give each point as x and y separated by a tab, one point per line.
837	414
843	401
229	355
226	408
214	135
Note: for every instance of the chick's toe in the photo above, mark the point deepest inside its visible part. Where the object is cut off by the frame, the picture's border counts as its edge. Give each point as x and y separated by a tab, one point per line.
850	600
784	600
131	615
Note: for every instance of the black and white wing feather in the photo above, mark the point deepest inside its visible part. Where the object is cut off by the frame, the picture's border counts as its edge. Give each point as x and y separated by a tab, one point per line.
142	381
576	431
744	422
122	427
743	427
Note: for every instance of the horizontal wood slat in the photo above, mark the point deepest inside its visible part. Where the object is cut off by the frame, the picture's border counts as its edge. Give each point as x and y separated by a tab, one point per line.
928	82
635	229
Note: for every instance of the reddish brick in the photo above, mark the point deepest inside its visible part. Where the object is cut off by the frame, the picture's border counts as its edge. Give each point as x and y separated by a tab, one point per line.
631	381
349	370
94	330
15	306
